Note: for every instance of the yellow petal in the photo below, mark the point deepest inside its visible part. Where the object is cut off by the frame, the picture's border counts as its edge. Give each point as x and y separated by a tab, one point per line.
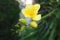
37	17
26	12
33	24
36	7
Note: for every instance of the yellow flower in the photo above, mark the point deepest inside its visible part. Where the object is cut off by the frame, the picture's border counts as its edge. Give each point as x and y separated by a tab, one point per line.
30	11
33	24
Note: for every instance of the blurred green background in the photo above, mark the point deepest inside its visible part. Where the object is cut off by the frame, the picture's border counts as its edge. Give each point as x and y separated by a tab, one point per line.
48	27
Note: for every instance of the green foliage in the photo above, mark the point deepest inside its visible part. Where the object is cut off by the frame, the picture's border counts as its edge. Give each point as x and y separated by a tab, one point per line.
9	14
49	25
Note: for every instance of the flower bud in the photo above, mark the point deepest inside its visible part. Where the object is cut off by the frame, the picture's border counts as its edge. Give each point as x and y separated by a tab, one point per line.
23	21
33	24
22	28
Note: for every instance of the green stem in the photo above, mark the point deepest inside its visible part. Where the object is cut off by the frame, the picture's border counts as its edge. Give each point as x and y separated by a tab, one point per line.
49	14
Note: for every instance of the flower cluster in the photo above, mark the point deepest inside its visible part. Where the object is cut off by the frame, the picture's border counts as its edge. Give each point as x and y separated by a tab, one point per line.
31	11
